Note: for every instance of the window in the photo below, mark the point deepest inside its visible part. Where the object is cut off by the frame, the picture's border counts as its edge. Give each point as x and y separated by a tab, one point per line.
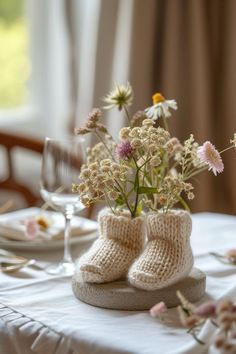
14	58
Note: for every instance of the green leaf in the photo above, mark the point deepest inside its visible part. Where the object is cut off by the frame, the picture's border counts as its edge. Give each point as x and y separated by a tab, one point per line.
139	208
147	190
119	201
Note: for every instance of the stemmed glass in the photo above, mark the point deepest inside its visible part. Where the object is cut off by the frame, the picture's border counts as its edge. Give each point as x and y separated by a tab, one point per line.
62	159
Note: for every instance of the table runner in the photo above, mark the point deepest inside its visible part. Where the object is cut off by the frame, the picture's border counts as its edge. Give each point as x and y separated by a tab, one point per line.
39	313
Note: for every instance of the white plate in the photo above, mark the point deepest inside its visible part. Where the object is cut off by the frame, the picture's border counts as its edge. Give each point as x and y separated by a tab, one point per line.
44	245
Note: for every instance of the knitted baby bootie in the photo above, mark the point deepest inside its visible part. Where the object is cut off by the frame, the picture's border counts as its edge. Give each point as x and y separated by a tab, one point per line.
167	257
120	241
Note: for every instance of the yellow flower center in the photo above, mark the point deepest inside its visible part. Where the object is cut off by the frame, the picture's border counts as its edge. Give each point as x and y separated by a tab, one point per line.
157	98
42	222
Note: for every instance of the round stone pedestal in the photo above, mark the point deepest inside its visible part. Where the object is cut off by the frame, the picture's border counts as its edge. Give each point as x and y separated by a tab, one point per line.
120	295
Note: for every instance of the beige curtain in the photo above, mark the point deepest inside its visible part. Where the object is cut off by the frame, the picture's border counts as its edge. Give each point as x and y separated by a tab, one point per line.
195	61
184	48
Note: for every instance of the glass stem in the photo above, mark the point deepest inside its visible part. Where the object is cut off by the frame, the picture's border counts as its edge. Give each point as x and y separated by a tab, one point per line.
67	254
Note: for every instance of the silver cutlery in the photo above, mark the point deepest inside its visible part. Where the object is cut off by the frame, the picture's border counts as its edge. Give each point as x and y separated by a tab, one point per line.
12	267
11	262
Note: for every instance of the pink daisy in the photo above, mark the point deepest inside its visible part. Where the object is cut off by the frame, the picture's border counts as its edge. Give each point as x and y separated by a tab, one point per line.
208	154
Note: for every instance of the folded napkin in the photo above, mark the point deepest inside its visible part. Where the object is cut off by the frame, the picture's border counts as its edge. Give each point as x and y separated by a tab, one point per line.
12	225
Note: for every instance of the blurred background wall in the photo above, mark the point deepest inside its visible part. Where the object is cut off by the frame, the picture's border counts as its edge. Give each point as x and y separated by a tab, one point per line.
58	58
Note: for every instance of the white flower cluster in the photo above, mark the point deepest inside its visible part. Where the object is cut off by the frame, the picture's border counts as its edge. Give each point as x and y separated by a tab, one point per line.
101	180
171	189
188	155
148	142
99	153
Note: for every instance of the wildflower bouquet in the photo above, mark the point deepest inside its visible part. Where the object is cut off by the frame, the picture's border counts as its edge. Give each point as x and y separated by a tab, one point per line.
147	168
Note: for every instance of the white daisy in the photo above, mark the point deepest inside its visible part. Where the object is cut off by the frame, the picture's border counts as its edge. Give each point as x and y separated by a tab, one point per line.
161	107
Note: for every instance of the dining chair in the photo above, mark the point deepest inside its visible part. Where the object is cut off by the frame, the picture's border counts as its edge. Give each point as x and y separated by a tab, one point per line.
10	142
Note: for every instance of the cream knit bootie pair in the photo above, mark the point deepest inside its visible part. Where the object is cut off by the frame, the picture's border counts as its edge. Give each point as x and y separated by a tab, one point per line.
118	252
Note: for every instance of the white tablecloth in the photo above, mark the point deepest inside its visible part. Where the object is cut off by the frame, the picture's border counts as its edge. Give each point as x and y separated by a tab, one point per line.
39	313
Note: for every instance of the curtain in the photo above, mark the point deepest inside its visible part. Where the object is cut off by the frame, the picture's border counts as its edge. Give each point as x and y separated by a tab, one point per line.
183	48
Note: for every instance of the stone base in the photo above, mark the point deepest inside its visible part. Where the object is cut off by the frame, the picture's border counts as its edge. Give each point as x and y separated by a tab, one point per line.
120	295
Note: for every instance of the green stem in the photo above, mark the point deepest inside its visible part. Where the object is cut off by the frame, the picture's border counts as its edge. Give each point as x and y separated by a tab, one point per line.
127	115
124	196
165	124
109	203
195	173
185	205
105	145
228	148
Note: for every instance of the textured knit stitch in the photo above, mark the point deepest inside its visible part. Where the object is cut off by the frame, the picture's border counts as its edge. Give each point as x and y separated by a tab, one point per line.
120	241
167	257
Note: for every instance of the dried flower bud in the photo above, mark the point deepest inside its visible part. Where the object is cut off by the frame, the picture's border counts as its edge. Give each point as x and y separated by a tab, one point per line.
225	317
136	143
155	161
191	321
190	195
138	118
105	169
85	173
224	305
81	131
105	162
148	122
228	347
94	115
124	133
220	340
101	128
93	166
206	309
91	125
85	200
134	133
233	141
81	187
162	199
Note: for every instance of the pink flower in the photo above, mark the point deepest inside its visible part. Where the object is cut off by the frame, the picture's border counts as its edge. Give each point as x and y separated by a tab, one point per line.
208	154
158	309
124	149
206	309
32	228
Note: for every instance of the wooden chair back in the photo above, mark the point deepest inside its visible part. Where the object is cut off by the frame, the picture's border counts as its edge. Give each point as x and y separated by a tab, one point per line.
10	142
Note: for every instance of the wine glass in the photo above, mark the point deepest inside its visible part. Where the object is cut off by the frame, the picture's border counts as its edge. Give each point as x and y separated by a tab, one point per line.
61	163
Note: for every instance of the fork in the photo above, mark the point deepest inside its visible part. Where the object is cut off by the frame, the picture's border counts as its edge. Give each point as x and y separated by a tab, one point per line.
14	262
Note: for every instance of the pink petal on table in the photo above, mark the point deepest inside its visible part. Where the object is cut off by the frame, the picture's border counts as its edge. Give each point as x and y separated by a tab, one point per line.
158	309
32	228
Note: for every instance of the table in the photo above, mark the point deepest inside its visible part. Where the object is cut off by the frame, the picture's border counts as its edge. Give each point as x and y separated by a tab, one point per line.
39	314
